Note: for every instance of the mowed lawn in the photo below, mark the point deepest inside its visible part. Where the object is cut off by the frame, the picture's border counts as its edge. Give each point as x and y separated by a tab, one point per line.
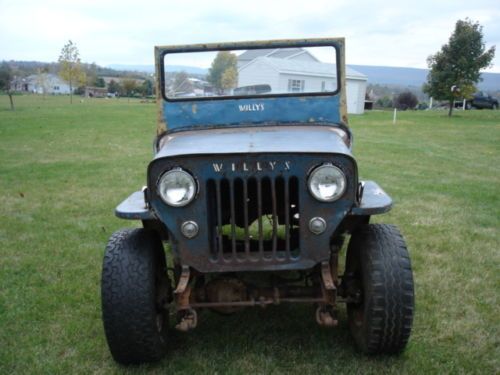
63	169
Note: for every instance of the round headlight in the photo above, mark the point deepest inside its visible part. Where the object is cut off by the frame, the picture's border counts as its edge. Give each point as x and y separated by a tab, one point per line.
327	183
177	187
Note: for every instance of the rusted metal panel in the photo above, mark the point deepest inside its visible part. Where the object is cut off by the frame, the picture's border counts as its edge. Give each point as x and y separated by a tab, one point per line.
343	84
161	126
183	280
271	43
326	274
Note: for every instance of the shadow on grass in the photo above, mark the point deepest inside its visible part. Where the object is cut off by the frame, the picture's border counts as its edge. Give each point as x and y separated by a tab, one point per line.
276	339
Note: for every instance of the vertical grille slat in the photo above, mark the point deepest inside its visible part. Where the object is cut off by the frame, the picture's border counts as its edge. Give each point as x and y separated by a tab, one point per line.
293	187
259	213
233	219
220	237
287	217
245	215
274	218
253	219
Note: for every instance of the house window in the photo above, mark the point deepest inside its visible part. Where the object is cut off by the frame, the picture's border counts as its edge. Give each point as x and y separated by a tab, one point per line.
56	88
296	85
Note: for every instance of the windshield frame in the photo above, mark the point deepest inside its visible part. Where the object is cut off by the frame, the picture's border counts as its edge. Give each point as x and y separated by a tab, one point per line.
251	46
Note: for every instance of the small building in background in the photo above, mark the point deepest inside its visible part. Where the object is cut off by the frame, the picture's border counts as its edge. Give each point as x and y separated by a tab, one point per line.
191	86
296	70
355	91
96	92
43	83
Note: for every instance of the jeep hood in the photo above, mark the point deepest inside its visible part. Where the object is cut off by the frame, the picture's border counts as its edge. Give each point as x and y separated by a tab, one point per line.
255	139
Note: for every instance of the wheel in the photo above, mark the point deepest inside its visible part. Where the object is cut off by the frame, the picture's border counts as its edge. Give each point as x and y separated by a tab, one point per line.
135	291
378	267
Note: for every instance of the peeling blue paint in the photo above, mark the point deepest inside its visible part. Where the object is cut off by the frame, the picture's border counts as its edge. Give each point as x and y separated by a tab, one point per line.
186	114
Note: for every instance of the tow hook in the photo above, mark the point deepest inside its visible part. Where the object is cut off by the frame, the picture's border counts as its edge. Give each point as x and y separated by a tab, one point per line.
326	317
188	321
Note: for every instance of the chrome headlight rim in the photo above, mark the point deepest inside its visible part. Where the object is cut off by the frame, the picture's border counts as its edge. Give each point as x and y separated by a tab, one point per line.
185	173
338	194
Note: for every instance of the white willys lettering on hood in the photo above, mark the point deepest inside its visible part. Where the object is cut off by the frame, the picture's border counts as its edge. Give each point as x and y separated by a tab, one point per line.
252	167
251	107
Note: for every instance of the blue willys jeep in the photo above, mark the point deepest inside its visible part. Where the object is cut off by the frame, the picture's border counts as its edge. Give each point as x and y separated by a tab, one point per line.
254	188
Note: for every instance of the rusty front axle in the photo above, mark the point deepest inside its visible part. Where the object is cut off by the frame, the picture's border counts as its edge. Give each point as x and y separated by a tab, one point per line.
227	294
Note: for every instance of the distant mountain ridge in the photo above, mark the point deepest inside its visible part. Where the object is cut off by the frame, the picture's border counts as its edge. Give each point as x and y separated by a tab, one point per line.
151	68
392	75
387	75
382	75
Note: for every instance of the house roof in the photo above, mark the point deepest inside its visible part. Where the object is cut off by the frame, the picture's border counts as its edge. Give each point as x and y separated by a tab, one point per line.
49	77
254	53
281	53
306	68
354	74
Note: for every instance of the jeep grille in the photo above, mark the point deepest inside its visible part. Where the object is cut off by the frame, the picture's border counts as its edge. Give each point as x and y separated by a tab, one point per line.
253	219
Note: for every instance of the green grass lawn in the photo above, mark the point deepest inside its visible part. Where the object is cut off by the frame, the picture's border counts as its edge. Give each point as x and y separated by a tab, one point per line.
63	169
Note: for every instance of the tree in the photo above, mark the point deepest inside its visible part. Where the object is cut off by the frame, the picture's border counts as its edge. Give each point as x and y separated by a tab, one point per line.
99	82
114	87
223	73
147	88
384	102
229	78
405	100
454	70
129	86
6	78
70	67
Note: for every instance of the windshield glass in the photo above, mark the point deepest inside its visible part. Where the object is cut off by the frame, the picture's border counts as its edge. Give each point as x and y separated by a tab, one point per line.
252	72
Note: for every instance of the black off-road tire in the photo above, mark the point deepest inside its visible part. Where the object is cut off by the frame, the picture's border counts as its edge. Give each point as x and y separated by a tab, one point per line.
379	265
135	291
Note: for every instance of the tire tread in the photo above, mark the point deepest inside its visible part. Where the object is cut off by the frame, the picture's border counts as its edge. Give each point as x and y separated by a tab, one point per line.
389	304
127	292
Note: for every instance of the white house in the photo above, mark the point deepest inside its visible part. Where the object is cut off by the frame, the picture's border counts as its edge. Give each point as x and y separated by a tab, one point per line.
355	91
296	70
44	83
279	53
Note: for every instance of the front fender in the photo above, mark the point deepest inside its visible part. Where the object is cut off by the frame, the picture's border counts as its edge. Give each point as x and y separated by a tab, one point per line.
134	208
374	200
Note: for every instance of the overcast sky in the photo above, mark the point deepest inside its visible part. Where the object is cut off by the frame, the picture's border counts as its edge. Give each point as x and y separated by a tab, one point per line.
389	32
